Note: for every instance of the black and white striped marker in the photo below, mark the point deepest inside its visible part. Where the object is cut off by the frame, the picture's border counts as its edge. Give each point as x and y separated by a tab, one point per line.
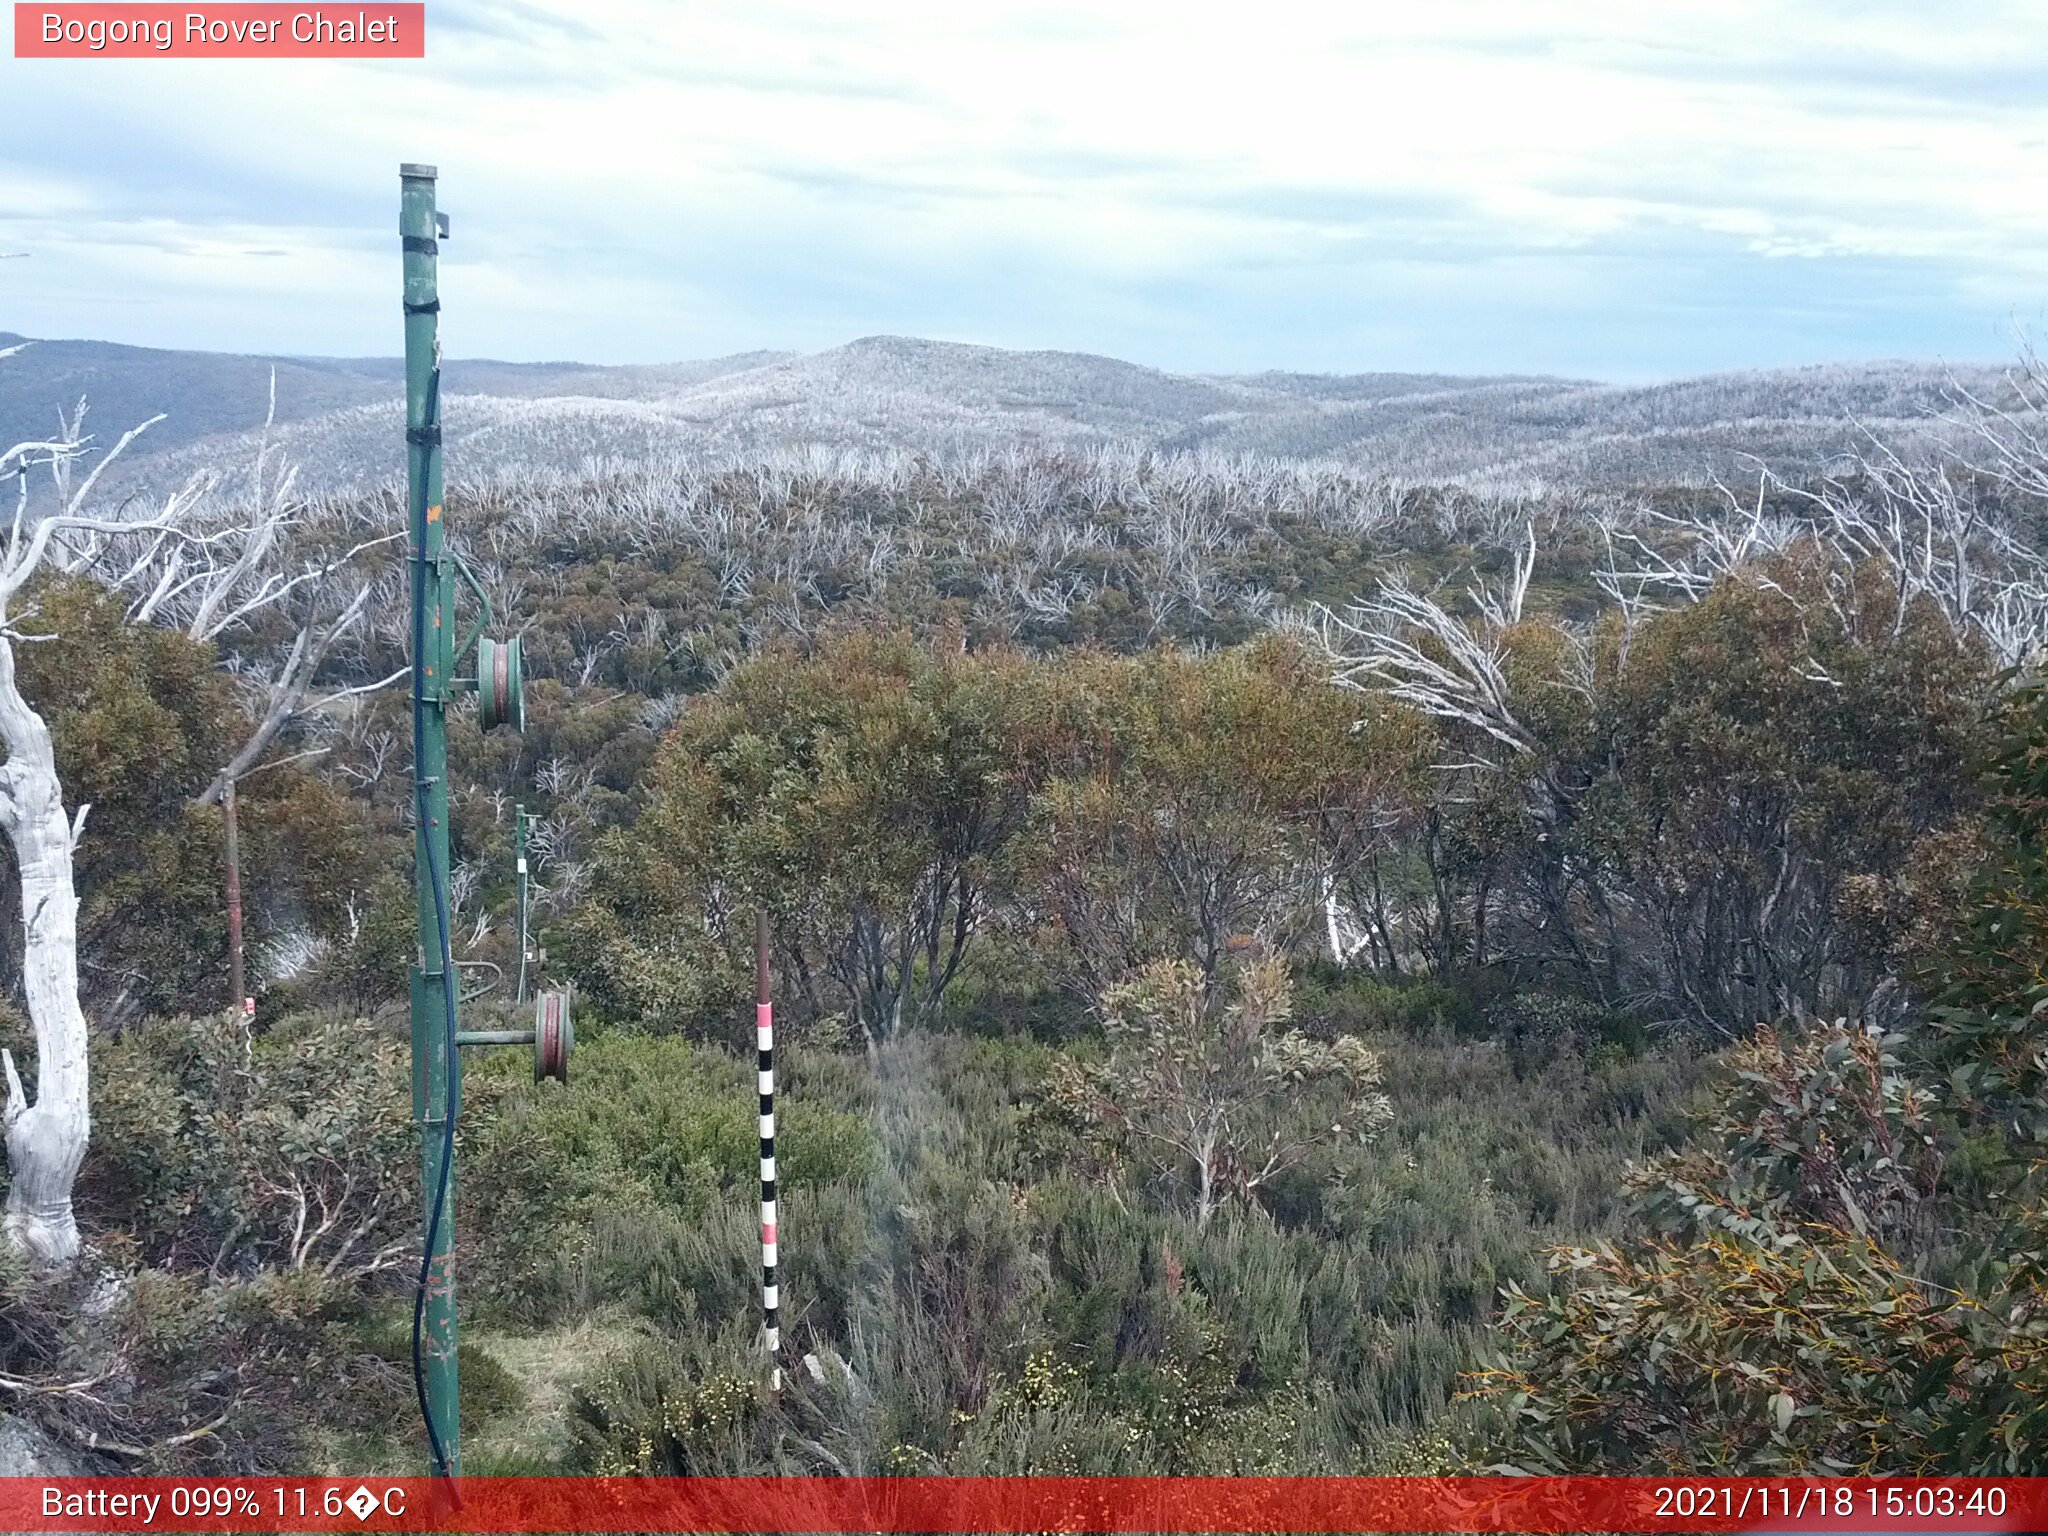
764	1044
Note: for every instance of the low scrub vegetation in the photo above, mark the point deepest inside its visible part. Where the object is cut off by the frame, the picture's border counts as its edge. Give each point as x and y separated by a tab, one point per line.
1585	1022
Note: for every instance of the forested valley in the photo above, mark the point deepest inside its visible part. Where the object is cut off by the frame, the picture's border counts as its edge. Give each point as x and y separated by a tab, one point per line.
1280	970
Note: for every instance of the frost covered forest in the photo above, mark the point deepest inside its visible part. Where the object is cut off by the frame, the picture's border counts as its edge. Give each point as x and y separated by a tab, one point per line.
1286	968
898	394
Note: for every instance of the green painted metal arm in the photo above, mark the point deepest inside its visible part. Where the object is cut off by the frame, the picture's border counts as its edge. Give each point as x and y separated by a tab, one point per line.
484	619
495	1037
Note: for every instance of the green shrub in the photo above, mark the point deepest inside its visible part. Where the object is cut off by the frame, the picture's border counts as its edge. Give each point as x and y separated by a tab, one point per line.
1331	1002
1204	1093
622	1183
967	1243
228	1152
673	1412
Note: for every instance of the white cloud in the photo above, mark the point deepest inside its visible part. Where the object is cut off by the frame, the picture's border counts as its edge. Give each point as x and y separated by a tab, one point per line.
642	177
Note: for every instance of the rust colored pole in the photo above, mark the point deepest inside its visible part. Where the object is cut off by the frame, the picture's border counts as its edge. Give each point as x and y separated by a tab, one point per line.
237	981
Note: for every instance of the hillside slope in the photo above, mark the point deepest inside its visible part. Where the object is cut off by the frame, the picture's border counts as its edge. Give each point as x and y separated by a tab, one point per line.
340	417
204	395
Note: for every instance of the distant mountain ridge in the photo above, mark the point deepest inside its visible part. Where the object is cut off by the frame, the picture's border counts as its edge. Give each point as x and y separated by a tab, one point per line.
340	417
203	394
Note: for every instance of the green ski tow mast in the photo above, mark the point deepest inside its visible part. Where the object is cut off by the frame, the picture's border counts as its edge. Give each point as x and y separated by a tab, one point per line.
435	982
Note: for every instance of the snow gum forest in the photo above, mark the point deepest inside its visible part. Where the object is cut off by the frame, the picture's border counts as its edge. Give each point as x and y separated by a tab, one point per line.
1382	925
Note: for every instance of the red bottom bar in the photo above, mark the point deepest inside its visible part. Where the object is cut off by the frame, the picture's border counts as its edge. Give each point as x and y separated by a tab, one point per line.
1027	1504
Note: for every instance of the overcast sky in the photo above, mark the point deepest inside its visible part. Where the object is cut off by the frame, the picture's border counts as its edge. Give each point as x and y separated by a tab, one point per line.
1621	191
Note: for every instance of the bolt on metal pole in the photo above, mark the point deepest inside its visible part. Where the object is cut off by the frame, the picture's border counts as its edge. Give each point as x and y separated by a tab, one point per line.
436	1069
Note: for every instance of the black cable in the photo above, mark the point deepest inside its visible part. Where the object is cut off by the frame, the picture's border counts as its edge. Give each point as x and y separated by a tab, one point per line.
421	787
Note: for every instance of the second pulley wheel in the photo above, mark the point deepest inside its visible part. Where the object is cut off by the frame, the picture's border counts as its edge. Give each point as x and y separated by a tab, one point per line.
554	1036
500	683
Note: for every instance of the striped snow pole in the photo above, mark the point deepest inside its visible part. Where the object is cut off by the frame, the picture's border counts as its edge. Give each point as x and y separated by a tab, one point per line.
764	1044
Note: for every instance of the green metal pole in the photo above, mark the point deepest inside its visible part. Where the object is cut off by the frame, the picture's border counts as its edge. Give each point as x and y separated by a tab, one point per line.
436	1073
519	845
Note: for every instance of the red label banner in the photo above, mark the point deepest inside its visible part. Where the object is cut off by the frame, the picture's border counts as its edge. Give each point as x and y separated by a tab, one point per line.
251	30
1027	1504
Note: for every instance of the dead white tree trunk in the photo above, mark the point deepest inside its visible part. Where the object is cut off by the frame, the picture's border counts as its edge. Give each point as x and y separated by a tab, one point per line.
46	1140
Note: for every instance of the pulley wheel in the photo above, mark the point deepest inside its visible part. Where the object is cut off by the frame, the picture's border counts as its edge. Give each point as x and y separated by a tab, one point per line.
500	683
553	1036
